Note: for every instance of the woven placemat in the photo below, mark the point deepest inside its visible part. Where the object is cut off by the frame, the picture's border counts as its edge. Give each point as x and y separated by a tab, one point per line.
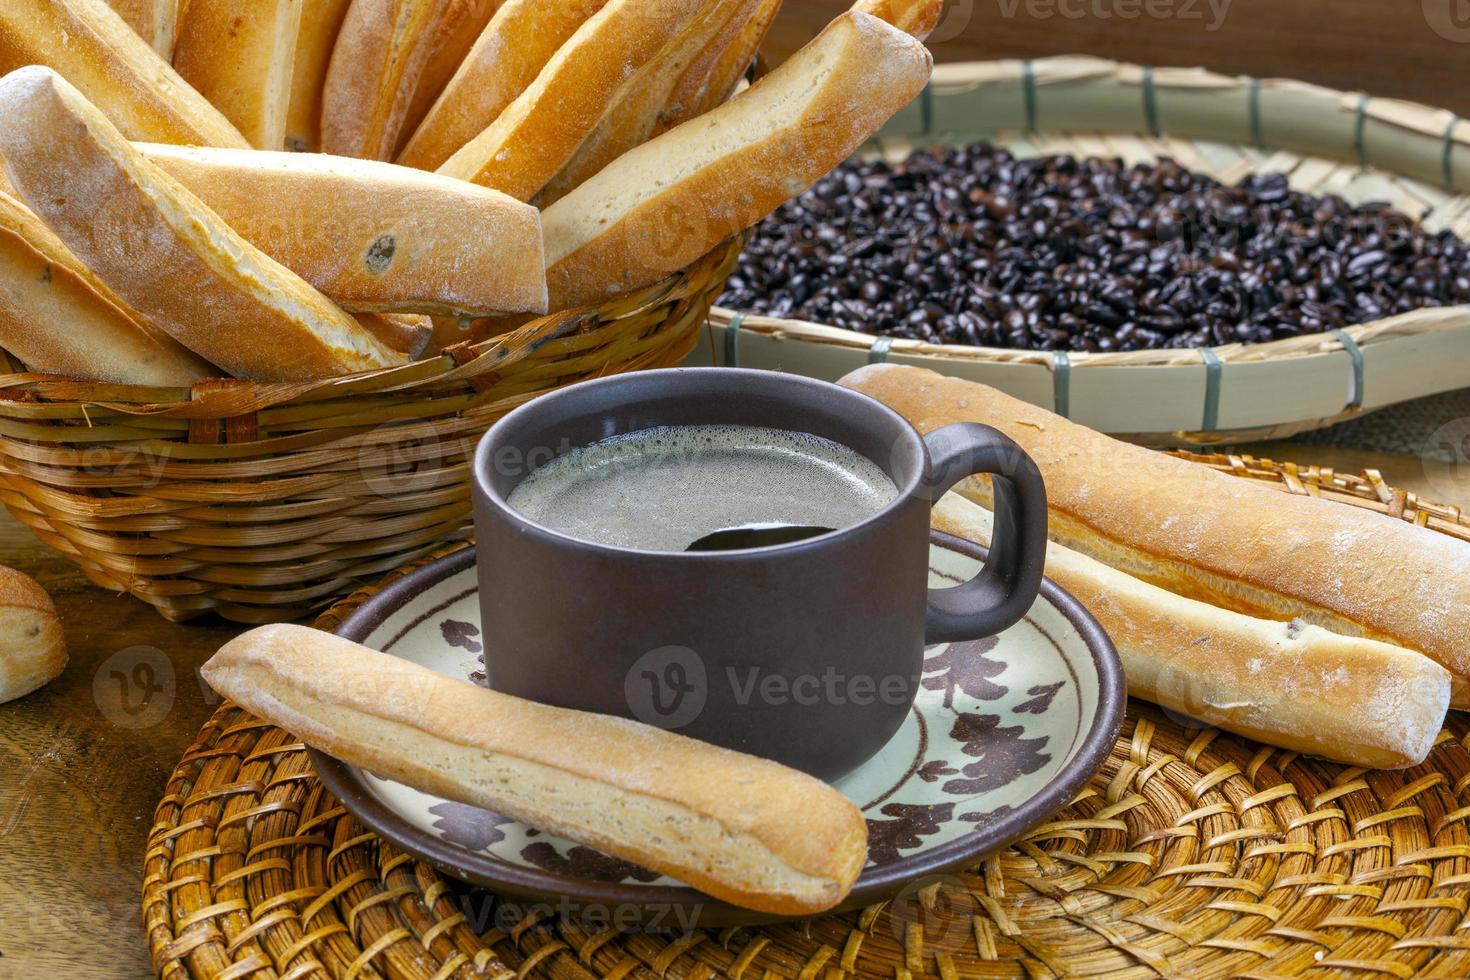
1191	854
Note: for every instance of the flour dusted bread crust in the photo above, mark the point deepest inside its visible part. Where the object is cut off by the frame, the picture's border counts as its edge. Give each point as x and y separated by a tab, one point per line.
154	20
372	235
32	645
1349	699
57	318
321	20
918	17
503	62
1214	537
160	249
540	130
660	95
745	830
460	26
731	66
380	55
661	206
95	50
240	54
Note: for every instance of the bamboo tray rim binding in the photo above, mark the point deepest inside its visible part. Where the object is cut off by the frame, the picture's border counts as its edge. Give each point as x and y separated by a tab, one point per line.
1327	141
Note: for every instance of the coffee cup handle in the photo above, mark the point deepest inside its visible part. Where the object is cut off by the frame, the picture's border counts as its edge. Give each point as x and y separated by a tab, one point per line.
1004	590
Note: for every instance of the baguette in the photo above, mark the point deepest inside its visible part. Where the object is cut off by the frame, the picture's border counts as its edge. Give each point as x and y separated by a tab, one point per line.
1213	537
540	130
917	17
1348	699
407	333
239	54
371	235
58	319
165	253
32	644
380	55
745	830
95	49
154	20
460	27
661	206
732	65
321	20
506	58
660	94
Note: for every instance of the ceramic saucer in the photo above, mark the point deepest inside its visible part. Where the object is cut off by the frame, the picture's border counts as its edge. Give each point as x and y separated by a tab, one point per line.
1005	731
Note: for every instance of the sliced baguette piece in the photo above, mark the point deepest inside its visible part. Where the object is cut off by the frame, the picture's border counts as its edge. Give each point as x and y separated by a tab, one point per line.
460	27
918	17
731	67
32	642
95	49
240	55
661	206
380	55
745	830
659	95
154	20
540	130
372	235
57	318
159	248
321	20
503	62
1298	686
1213	537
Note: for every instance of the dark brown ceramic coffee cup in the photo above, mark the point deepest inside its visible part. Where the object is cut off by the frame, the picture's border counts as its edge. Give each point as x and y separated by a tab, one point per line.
808	653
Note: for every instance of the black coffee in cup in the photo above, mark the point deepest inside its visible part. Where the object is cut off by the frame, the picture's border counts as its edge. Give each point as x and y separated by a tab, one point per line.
704	488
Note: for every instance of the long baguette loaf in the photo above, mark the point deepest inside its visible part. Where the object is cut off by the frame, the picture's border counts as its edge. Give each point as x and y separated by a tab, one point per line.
1295	685
240	54
159	248
506	58
380	55
154	20
540	130
918	17
462	24
730	68
372	235
321	21
1213	537
659	95
662	205
58	319
743	829
95	49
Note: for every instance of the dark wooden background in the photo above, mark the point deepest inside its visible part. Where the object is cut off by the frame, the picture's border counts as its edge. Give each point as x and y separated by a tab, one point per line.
1408	49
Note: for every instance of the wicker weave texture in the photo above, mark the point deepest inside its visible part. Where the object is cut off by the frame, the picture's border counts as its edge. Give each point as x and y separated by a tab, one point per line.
263	502
1192	854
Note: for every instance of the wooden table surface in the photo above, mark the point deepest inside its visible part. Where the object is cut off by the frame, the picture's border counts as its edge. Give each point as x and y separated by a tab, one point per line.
85	759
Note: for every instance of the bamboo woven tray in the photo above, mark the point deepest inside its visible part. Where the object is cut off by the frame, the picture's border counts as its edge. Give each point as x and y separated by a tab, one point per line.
1192	854
1413	156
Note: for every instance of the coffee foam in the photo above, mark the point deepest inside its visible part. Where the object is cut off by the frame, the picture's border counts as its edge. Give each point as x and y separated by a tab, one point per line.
661	489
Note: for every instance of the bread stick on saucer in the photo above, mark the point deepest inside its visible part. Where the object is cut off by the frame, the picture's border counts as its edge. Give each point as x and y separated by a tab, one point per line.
745	830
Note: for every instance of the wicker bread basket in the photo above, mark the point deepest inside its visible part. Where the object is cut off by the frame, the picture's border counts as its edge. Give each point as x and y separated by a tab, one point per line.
1414	157
261	502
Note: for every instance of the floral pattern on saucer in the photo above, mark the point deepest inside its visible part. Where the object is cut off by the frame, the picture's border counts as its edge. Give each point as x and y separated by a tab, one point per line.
996	721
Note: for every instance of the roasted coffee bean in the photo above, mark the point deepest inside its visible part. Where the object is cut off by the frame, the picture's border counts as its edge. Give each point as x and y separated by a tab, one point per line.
973	246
